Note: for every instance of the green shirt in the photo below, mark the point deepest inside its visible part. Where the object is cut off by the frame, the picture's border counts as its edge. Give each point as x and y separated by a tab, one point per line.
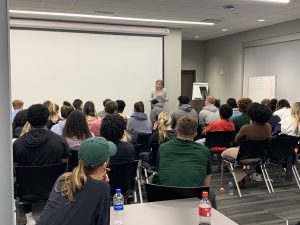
183	163
240	121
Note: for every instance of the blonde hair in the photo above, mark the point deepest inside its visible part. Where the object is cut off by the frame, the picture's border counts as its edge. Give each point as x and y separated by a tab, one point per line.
74	181
17	104
53	109
26	128
164	121
210	99
162	84
296	116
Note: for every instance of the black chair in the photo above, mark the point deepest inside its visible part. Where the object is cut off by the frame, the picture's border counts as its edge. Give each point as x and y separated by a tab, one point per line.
34	184
162	193
217	142
73	160
143	140
123	176
153	155
282	153
138	149
251	153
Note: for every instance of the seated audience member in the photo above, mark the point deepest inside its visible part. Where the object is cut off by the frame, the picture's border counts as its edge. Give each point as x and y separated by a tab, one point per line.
82	196
164	131
38	147
76	129
217	103
113	129
101	114
235	111
257	131
274	120
46	103
78	104
64	111
53	117
110	108
94	122
283	109
66	103
273	104
17	106
139	122
157	108
224	124
243	119
290	124
19	122
185	109
121	106
182	162
209	112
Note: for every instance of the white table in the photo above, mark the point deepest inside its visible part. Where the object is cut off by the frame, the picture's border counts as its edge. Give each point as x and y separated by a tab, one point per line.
175	212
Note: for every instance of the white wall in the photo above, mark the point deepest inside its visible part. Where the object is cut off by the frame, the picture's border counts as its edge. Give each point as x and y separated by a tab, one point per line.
172	67
227	53
192	57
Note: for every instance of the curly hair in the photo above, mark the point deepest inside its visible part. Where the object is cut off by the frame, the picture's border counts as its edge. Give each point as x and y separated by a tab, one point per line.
77	126
38	115
113	127
243	104
20	119
259	113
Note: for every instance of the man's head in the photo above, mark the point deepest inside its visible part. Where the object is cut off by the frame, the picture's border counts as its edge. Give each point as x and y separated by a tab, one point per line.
187	128
225	111
18	104
210	100
154	102
65	111
105	101
121	106
78	104
113	127
232	103
38	115
110	107
183	100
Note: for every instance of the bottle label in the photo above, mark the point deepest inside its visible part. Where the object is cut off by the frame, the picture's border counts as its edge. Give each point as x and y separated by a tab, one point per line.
204	212
118	206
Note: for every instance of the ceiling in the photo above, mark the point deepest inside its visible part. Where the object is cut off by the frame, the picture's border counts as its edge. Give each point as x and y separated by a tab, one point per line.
243	17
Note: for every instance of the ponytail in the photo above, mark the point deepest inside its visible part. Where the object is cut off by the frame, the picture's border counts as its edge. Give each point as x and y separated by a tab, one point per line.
164	121
74	181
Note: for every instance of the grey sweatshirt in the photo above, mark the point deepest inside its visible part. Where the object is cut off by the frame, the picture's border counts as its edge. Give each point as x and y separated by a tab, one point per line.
208	114
157	109
183	110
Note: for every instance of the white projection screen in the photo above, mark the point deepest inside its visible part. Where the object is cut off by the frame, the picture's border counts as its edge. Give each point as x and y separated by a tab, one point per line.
58	66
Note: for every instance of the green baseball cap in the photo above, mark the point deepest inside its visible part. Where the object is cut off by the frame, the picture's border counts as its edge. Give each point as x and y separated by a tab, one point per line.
96	150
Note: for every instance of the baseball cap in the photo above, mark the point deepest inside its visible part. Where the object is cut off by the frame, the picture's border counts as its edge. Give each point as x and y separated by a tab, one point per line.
96	150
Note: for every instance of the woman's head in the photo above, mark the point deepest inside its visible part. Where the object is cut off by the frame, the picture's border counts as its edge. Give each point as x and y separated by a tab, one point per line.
159	85
243	104
20	119
89	109
282	103
296	116
78	104
139	107
53	109
163	124
259	113
93	157
113	127
76	126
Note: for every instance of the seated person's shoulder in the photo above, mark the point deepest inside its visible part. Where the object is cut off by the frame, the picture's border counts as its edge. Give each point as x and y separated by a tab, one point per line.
99	184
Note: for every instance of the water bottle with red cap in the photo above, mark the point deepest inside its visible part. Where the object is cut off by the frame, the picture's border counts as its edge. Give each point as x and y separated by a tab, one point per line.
204	209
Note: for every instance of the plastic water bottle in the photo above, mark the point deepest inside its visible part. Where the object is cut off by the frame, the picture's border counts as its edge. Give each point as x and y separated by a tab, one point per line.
230	187
204	210
118	202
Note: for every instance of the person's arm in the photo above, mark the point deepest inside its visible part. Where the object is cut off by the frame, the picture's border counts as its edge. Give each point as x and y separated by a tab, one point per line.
208	170
104	215
241	135
207	180
165	95
201	119
66	152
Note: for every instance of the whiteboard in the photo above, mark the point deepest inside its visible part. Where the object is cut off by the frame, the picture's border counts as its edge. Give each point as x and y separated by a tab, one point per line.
197	93
261	87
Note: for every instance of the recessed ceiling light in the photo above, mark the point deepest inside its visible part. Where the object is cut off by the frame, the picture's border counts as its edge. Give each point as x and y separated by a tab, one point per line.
274	1
107	17
261	20
225	29
197	36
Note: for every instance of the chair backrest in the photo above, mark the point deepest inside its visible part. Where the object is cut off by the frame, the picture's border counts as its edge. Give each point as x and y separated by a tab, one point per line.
218	139
138	150
154	152
161	193
73	160
37	180
122	175
253	149
143	140
282	147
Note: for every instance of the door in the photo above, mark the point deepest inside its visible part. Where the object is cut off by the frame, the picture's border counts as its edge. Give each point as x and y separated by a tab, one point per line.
187	80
